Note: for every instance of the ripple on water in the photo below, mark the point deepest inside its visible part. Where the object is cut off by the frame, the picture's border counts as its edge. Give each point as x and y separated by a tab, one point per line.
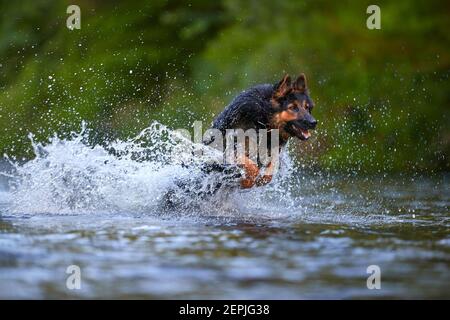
297	238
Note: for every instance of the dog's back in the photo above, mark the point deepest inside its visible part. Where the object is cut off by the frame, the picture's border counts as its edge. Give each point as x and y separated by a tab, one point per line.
249	110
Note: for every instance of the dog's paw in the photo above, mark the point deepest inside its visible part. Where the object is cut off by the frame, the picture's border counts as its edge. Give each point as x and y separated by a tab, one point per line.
263	180
247	183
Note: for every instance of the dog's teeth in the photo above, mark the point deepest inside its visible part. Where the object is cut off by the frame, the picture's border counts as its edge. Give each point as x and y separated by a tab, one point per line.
306	133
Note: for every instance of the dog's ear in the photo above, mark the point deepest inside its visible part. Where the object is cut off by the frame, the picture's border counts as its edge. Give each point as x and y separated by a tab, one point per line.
283	87
300	84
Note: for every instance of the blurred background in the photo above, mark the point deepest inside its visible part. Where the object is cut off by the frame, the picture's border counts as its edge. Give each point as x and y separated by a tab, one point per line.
382	96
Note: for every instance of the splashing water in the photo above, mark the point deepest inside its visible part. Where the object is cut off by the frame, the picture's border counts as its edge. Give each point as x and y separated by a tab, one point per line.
69	176
302	236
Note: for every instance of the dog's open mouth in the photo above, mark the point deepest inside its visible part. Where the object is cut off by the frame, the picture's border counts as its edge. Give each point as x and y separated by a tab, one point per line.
305	133
302	134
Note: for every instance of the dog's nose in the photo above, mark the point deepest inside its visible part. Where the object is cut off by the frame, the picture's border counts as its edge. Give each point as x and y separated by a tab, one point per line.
313	124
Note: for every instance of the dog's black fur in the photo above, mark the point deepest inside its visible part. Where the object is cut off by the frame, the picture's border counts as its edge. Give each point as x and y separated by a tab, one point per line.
285	106
257	107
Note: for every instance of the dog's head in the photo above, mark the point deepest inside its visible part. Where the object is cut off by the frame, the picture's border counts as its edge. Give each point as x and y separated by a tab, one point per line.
292	108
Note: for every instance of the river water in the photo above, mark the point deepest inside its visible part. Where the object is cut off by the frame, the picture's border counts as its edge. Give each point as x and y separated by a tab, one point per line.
304	236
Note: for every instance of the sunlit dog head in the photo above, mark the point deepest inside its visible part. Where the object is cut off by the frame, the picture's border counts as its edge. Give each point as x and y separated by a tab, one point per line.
292	108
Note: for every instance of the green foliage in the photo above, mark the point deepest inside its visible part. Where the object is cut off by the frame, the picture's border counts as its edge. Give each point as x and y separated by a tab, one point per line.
382	95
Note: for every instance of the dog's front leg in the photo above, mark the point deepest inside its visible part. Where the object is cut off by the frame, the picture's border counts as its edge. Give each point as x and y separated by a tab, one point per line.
267	177
251	172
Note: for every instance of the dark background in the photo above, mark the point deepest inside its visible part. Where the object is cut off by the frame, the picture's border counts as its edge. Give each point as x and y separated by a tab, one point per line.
382	96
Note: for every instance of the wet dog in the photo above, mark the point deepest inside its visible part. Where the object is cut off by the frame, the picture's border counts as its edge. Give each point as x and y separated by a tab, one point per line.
285	106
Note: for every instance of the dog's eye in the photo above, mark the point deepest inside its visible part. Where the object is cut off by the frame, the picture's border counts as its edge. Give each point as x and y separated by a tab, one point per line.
293	107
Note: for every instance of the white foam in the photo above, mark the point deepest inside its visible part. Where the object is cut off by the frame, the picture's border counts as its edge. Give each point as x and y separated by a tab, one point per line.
68	176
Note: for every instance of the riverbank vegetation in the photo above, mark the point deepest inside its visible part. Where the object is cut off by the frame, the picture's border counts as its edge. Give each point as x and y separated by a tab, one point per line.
382	97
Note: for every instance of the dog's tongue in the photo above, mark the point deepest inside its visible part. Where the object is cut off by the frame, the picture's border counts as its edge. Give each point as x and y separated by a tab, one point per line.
305	133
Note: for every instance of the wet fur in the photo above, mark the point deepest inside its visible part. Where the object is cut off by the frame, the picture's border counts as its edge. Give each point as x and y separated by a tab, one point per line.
285	106
264	106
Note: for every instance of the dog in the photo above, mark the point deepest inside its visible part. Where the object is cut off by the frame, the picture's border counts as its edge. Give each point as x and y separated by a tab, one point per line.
285	106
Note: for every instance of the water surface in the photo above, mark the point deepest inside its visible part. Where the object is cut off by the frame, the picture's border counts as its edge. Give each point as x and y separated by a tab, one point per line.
258	246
